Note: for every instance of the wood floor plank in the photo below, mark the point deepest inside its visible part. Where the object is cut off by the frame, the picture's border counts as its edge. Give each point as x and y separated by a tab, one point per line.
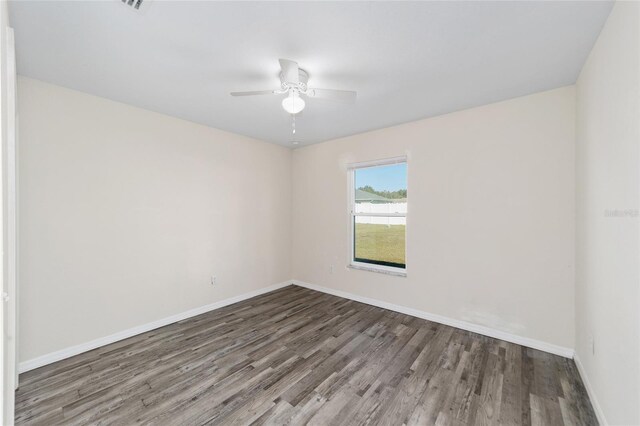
295	356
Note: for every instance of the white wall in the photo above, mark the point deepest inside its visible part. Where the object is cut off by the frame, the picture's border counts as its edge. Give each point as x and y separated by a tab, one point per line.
126	213
7	216
490	227
607	231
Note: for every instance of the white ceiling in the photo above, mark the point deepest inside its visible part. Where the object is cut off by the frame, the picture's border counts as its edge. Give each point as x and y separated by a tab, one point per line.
406	60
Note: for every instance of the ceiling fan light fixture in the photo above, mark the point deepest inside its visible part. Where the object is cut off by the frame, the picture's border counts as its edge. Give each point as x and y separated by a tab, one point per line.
293	103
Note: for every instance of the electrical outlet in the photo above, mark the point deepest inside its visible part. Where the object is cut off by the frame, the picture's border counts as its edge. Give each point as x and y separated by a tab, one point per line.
331	269
214	280
592	343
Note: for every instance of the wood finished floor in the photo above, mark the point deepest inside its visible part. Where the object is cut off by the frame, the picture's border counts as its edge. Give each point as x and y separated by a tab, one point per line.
296	356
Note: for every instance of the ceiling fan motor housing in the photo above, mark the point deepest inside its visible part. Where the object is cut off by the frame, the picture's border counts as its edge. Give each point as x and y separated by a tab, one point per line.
301	85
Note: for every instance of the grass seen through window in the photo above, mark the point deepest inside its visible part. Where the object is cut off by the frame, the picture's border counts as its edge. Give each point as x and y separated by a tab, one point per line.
380	243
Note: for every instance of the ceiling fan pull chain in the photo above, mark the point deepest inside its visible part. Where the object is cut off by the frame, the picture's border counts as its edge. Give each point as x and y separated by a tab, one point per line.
293	123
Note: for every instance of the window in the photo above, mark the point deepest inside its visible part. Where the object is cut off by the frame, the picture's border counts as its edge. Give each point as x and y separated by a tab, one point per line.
379	215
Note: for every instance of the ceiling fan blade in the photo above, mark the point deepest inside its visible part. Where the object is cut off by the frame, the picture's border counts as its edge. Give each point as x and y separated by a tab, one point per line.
255	92
334	95
290	71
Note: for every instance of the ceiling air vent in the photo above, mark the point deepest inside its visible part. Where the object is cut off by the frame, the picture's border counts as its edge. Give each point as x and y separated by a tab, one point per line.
136	4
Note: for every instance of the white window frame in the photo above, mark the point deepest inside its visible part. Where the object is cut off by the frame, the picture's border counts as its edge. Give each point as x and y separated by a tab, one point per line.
390	270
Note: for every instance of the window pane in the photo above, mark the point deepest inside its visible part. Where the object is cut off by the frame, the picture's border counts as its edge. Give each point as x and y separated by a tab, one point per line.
380	240
381	189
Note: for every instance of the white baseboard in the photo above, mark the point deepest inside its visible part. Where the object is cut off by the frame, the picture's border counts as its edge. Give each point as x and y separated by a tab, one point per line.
592	396
125	334
464	325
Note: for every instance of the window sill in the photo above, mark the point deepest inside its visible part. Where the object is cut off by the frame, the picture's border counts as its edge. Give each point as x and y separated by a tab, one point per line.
396	273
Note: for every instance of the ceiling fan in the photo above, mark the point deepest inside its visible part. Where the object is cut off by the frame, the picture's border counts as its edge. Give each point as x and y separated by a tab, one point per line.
293	83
